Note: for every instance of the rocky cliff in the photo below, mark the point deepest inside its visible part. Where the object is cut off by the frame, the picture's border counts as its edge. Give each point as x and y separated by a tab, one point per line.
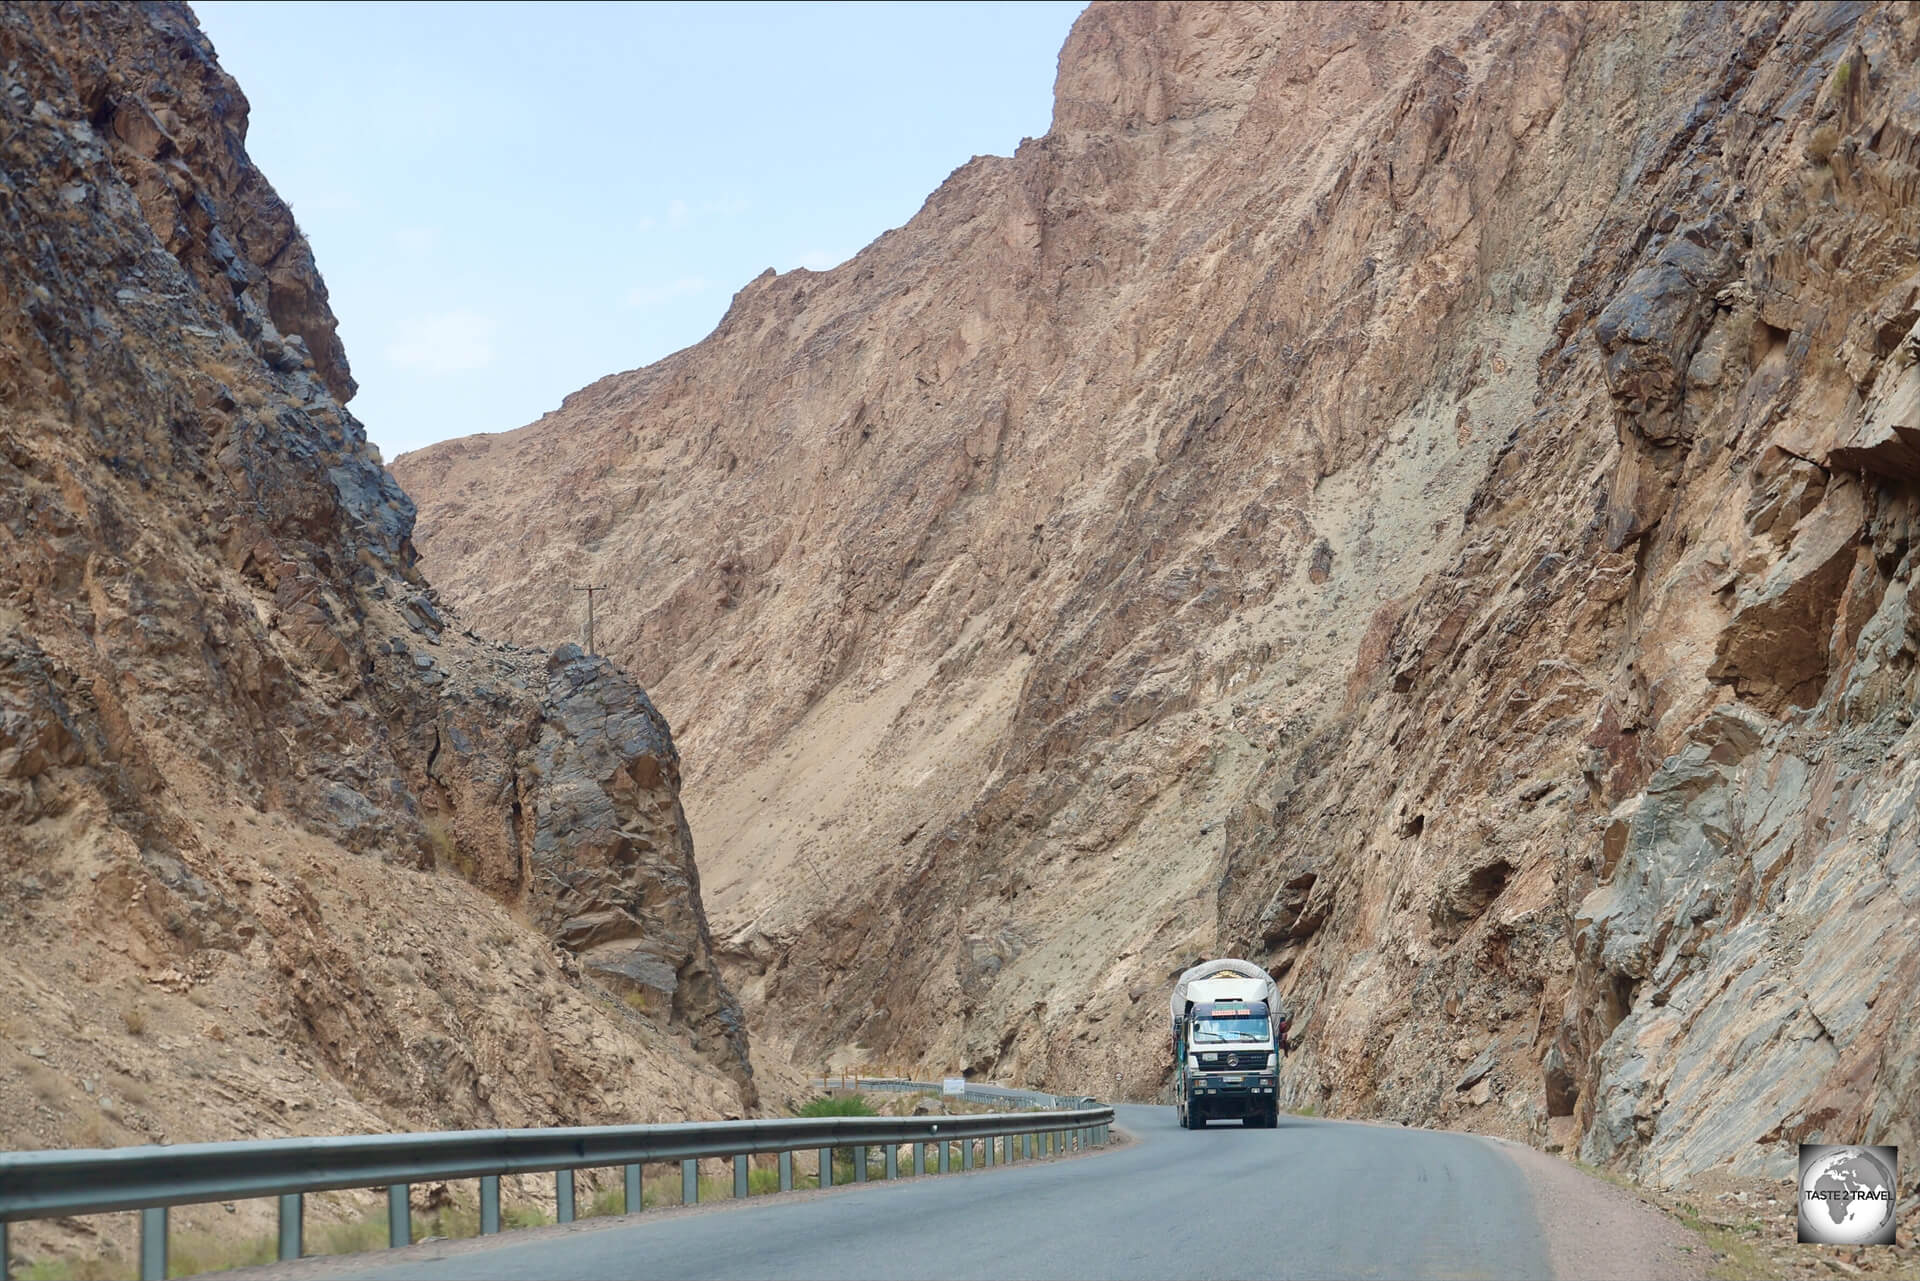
284	849
1420	495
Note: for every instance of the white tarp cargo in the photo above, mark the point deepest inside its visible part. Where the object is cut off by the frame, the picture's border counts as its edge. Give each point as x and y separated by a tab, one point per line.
1226	980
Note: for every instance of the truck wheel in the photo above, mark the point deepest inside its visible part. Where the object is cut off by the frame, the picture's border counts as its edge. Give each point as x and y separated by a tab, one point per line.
1196	1120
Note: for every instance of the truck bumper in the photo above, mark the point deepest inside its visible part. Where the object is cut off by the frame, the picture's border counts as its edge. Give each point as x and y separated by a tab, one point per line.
1218	1095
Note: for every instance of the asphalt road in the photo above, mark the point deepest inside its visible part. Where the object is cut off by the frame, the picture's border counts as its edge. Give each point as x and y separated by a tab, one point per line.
1310	1199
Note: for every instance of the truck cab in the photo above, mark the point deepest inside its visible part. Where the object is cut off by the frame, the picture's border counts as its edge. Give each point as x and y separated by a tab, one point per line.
1227	1046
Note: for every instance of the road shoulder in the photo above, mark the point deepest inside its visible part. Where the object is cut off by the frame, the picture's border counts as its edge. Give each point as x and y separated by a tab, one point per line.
1594	1229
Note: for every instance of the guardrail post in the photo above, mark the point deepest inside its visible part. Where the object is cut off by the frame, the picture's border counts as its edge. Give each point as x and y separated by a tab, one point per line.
689	1183
893	1161
942	1158
786	1171
919	1159
489	1204
826	1167
741	1188
563	1196
291	1217
399	1220
636	1200
6	1265
1026	1147
153	1244
860	1164
987	1155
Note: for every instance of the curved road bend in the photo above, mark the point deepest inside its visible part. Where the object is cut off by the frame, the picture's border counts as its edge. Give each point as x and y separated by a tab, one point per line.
1310	1199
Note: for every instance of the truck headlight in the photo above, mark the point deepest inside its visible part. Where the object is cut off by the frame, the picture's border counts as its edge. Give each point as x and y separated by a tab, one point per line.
1193	1063
1272	1062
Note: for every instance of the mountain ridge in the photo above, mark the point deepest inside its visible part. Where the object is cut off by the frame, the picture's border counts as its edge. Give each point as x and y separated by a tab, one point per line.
285	850
1375	489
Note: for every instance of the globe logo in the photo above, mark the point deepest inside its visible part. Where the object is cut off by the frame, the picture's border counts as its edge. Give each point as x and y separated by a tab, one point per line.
1847	1194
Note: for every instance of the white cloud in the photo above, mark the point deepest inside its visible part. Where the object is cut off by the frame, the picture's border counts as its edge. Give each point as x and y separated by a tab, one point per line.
655	295
446	342
678	214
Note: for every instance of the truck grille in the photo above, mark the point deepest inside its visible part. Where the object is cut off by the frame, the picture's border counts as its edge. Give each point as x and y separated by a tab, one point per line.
1228	1060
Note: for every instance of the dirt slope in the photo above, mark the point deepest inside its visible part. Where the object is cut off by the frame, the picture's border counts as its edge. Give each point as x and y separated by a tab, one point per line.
1421	495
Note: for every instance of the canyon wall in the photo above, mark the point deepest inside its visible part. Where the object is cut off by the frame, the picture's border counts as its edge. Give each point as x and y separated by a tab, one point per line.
282	848
1422	495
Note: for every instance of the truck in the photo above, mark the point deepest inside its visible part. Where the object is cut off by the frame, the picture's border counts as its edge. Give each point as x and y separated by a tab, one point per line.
1228	1035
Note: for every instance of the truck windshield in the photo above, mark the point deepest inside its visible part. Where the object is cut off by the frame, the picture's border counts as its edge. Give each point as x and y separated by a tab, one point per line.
1221	1031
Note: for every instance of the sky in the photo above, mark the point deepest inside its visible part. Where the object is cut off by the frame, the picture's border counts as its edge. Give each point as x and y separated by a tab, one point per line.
508	201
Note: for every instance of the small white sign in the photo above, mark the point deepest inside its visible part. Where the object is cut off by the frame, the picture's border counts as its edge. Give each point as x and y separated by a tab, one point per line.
953	1085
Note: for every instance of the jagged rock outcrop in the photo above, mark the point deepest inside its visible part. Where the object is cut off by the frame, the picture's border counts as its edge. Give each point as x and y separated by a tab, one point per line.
1419	494
272	826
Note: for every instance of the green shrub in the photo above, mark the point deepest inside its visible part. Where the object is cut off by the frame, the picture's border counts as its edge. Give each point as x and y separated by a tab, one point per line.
837	1105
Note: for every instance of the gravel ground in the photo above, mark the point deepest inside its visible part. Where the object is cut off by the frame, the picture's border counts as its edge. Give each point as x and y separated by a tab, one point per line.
1717	1226
1592	1226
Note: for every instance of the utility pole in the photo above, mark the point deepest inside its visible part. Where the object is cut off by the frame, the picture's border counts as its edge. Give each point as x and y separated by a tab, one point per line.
590	591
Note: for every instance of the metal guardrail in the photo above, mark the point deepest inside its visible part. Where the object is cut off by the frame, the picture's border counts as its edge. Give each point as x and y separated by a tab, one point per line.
972	1093
39	1185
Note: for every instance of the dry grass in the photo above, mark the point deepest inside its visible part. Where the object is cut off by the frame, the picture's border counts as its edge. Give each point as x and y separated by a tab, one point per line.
109	1267
46	1084
442	846
1822	144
